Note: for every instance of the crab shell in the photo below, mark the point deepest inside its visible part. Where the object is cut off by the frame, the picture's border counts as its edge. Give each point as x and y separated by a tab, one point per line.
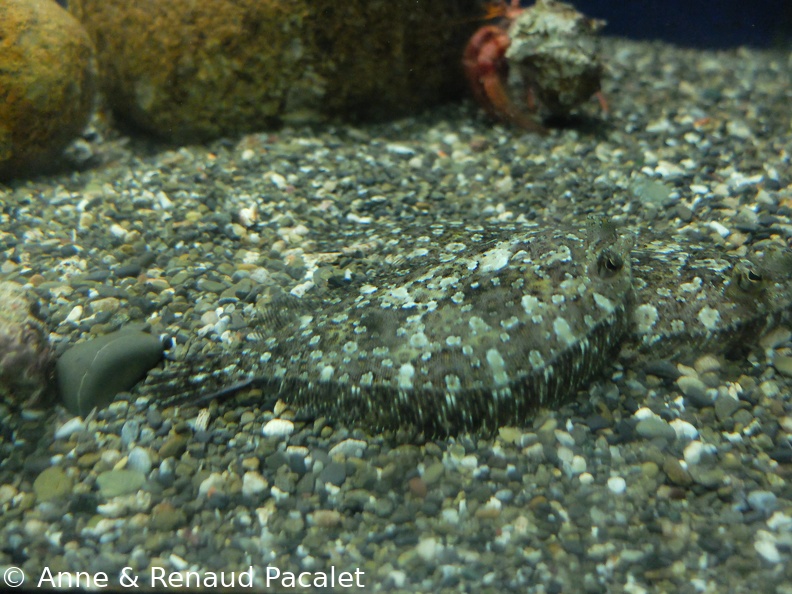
553	55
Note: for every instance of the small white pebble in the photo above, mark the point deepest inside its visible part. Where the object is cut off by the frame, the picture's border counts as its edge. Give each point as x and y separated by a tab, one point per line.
428	549
202	420
278	180
177	562
578	465
213	481
779	521
118	231
719	229
586	478
645	413
684	430
75	314
692	453
617	485
253	484
766	547
70	427
278	428
349	448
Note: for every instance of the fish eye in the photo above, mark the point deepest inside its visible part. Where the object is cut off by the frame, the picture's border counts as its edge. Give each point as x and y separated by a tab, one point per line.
747	278
609	263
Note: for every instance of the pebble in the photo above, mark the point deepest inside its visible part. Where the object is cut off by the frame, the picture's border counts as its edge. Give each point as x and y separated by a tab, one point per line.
617	485
763	501
349	448
655	427
766	547
676	473
783	363
694	388
684	430
278	428
253	484
174	446
69	428
113	483
91	373
725	406
52	483
139	460
692	453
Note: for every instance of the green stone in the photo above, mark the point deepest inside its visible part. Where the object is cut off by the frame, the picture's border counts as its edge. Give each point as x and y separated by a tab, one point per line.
53	483
91	373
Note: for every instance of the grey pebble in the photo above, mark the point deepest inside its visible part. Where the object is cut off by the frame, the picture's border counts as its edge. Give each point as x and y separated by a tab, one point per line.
654	427
130	432
139	460
694	389
725	406
119	482
765	502
334	473
91	373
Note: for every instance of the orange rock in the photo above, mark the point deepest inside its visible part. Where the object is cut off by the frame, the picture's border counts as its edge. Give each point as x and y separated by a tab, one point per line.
47	82
186	70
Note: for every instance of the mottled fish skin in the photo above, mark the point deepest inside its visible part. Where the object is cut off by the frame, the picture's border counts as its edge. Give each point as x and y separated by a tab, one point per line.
689	301
467	332
478	335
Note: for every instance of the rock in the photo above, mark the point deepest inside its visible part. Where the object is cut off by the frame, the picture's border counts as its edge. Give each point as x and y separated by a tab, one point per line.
174	446
139	460
73	425
25	360
197	70
47	77
253	484
278	428
655	427
53	483
91	373
677	475
119	482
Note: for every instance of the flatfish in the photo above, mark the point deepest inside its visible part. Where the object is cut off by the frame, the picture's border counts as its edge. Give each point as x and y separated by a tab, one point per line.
476	329
470	335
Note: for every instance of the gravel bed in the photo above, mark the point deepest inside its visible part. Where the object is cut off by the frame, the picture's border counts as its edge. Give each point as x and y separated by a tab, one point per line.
663	476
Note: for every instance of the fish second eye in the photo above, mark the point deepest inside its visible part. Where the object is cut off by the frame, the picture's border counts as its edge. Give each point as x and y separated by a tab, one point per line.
609	263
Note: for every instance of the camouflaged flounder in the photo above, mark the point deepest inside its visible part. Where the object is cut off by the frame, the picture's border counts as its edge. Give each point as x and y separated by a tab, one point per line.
478	334
691	301
475	328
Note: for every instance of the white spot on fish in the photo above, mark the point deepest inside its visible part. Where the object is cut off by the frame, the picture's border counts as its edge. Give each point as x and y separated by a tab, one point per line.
406	375
645	317
530	304
564	332
498	367
477	325
453	384
326	374
709	318
604	303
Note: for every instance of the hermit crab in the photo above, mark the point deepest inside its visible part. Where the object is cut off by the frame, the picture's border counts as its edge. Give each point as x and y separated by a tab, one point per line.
534	62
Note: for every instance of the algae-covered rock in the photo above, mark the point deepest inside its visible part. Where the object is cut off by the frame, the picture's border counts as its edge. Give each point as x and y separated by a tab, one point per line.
189	70
91	373
47	84
25	359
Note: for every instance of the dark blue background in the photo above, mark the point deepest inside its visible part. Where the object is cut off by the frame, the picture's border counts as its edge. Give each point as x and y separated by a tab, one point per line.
696	23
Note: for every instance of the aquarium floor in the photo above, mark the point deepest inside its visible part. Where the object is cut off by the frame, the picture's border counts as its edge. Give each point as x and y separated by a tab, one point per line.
696	145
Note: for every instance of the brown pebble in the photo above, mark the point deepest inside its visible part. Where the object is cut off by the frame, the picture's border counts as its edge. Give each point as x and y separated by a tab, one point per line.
676	474
417	486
